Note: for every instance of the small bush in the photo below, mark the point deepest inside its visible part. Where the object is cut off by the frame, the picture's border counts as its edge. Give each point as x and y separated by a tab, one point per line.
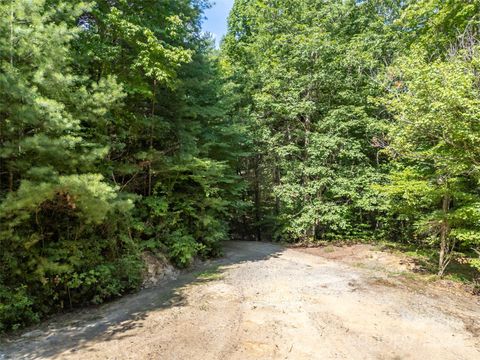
16	309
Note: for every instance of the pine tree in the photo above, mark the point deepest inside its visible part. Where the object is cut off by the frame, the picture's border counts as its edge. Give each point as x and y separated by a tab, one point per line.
172	142
53	202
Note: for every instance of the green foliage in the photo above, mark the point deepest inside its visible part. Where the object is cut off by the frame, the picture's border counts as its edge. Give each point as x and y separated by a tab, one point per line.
114	138
172	142
305	76
54	203
186	210
16	309
183	247
436	24
123	130
361	117
434	143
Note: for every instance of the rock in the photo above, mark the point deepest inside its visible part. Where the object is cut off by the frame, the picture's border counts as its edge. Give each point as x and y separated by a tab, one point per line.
158	269
33	334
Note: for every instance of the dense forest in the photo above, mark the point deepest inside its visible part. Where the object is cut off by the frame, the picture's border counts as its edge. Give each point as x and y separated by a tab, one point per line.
123	130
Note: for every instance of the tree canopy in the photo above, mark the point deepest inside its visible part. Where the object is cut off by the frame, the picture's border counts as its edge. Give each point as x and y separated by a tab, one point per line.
123	130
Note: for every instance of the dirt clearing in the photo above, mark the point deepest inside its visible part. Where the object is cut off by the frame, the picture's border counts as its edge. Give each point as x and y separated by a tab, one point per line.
263	301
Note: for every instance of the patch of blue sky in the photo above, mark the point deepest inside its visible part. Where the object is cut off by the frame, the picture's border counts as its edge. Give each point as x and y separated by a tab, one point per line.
216	19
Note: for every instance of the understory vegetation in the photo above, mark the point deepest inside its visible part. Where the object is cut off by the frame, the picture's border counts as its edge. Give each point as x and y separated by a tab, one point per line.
123	130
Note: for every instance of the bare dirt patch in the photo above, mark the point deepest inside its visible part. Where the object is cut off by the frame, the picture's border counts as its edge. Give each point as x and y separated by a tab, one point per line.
365	255
399	267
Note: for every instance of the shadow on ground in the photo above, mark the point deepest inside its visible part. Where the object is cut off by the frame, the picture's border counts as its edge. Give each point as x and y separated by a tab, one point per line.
73	331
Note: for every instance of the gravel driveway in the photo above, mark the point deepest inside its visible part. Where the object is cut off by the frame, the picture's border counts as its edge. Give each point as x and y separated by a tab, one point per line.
263	301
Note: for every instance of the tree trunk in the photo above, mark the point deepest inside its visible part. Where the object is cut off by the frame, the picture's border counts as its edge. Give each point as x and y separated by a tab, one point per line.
257	198
445	249
10	181
277	183
311	230
150	172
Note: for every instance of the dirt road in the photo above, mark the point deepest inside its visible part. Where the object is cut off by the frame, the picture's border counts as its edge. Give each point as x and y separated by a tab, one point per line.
266	302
